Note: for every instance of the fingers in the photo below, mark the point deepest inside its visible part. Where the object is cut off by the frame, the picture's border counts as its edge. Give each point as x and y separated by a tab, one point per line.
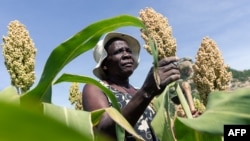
168	70
168	63
170	76
168	60
170	67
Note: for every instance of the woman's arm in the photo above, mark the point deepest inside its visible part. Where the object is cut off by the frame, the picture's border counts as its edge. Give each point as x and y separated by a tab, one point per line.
93	98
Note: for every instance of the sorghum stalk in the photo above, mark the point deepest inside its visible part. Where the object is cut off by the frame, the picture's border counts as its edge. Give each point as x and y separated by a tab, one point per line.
186	70
210	72
19	55
159	31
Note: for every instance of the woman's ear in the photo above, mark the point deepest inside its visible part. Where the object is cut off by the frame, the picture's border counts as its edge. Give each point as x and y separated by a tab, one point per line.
104	64
104	67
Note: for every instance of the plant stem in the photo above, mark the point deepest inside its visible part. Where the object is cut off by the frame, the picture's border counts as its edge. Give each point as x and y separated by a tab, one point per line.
183	100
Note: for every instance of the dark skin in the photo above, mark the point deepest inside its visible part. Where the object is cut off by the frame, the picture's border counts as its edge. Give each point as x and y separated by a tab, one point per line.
119	66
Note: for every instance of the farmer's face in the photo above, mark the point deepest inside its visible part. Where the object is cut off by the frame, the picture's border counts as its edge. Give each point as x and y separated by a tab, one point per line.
120	60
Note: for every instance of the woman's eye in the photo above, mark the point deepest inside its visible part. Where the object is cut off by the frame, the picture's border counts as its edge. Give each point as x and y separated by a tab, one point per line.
129	50
122	50
118	51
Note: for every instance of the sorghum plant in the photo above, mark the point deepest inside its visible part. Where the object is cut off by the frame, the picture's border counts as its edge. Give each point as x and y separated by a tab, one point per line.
19	54
75	96
210	72
159	30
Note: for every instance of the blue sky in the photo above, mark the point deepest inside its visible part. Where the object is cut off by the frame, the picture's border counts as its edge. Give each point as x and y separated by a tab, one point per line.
50	22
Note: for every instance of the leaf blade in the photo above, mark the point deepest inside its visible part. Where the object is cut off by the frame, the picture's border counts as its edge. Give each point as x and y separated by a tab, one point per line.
222	108
73	47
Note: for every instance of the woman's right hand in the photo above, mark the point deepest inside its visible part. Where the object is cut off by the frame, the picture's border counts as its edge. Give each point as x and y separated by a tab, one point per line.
168	72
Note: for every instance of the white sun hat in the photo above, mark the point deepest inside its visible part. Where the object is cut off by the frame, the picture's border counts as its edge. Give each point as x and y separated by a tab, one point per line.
100	53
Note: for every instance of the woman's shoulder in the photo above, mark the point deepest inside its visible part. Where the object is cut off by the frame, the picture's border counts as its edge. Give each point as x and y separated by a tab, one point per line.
93	88
90	88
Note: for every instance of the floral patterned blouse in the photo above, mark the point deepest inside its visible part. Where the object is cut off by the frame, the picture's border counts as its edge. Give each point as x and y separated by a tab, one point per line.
142	126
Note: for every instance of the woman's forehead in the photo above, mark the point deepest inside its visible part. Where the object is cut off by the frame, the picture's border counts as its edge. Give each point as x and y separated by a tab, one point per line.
111	41
118	44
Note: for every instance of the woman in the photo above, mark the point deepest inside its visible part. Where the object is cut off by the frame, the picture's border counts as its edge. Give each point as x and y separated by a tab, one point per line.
117	56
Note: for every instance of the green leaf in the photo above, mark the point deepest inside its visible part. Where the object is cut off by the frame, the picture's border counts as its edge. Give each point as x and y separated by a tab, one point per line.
119	119
183	101
154	49
96	116
19	124
84	79
10	94
75	119
81	42
162	120
185	133
223	108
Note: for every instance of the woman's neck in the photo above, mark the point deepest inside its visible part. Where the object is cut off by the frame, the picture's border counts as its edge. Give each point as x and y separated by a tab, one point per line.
121	85
119	82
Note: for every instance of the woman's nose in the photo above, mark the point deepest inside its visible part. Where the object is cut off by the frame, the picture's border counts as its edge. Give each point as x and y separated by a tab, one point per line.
126	53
